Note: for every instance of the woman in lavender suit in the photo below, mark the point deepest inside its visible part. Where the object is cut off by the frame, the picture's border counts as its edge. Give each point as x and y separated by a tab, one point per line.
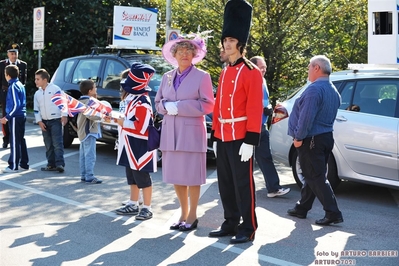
184	98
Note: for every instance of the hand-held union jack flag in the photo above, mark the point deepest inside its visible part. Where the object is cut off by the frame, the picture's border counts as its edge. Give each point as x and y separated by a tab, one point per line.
98	108
67	103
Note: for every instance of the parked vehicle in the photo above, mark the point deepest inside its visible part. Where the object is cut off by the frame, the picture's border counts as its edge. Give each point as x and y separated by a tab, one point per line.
366	129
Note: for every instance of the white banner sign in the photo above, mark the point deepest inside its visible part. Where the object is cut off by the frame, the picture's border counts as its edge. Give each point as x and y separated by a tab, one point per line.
135	27
38	28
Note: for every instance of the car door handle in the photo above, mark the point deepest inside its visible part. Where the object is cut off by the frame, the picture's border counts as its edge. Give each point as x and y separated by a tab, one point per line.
341	119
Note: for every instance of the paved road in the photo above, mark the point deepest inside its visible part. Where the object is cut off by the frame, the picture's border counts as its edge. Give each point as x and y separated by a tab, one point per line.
48	218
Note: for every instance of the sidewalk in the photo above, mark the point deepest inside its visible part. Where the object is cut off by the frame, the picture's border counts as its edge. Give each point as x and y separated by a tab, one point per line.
30	117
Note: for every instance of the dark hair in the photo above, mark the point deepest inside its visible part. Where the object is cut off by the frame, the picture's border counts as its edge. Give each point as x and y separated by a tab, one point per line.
43	74
12	71
85	86
124	75
241	47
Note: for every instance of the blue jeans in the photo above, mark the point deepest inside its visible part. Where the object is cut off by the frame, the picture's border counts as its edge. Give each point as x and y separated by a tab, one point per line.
54	143
87	158
265	161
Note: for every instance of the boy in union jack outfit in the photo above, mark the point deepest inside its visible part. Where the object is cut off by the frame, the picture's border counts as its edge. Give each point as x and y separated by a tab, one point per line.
132	140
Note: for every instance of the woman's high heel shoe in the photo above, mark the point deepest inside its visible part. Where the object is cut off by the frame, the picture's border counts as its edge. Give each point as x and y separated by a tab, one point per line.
177	225
189	227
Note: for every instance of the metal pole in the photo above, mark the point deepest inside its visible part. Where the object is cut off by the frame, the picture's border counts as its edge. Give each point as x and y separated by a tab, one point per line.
168	17
39	60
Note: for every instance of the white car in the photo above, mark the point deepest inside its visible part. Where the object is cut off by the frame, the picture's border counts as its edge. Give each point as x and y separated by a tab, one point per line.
366	129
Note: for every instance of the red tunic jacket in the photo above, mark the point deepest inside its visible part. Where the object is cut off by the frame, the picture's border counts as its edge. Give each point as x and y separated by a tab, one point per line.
239	94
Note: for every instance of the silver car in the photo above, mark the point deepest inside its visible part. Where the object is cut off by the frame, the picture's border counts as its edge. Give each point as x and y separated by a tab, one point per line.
366	129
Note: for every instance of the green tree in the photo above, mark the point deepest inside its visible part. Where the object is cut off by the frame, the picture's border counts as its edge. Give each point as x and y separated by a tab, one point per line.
72	27
287	33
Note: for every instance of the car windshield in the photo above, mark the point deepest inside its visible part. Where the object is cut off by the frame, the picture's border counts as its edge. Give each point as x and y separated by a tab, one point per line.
160	66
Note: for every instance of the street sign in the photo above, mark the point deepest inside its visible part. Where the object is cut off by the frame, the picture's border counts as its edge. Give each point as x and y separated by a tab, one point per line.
38	28
172	34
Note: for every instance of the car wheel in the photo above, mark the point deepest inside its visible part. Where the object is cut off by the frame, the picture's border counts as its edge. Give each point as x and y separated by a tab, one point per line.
67	137
332	174
159	157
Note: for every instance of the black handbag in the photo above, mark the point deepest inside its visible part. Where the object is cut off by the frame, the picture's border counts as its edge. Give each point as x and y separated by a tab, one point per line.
154	136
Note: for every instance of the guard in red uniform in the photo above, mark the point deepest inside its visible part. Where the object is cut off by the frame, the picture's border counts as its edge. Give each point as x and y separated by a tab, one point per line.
237	117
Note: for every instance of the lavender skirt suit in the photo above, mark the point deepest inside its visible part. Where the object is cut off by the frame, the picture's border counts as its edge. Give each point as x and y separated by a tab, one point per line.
183	137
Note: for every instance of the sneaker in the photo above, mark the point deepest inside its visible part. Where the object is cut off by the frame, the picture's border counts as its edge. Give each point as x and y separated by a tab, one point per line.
282	191
24	168
60	168
94	181
128	210
48	168
144	214
9	170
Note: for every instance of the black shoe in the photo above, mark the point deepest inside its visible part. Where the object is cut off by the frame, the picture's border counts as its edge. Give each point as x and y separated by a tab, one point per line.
48	168
238	239
328	221
176	226
188	227
294	212
5	145
221	232
60	169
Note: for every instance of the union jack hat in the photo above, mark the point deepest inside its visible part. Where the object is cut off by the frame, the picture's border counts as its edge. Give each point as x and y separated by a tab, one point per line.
138	78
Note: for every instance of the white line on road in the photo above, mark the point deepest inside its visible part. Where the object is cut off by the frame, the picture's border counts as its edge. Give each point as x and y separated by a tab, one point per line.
210	180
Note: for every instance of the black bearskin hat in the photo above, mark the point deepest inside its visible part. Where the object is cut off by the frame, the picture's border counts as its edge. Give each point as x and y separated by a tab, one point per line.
237	20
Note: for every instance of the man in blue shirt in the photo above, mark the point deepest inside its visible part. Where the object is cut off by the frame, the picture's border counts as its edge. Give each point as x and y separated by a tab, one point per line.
310	125
263	155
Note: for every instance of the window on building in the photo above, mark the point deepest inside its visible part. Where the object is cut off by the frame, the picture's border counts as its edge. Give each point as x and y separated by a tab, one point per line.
382	23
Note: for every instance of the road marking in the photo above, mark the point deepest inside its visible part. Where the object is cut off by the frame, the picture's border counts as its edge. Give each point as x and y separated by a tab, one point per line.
207	241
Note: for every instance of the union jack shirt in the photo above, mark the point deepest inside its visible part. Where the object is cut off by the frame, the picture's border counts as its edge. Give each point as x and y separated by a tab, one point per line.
133	135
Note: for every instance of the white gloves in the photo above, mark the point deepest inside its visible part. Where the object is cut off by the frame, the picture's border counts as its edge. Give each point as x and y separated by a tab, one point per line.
214	148
171	108
246	151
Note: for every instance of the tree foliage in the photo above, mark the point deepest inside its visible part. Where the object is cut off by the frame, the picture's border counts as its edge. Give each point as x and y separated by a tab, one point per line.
287	33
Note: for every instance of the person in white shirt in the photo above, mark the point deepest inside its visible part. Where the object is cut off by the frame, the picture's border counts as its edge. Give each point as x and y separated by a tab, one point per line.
51	121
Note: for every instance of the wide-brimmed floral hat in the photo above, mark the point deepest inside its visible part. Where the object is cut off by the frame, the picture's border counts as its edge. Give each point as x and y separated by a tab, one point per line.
197	39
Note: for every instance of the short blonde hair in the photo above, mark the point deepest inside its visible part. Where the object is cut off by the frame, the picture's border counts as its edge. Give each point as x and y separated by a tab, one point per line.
183	44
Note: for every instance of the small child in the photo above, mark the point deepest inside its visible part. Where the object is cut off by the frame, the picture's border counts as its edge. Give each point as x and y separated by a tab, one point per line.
88	132
132	140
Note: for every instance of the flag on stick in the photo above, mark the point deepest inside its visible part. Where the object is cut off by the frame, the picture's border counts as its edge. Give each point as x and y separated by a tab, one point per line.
67	103
98	108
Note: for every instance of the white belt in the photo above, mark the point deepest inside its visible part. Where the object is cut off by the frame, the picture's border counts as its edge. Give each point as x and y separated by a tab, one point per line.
232	120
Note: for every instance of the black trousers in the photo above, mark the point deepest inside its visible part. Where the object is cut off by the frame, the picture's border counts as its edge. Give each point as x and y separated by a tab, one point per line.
237	188
313	158
4	127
